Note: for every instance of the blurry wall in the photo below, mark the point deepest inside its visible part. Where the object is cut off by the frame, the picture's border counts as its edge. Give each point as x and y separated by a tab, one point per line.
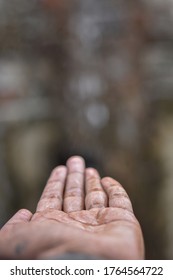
92	78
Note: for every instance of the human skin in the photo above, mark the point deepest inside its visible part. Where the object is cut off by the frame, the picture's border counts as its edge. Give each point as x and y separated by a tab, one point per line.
77	212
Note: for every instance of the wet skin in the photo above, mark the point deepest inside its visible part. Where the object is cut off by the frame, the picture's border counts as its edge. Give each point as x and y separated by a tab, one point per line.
77	212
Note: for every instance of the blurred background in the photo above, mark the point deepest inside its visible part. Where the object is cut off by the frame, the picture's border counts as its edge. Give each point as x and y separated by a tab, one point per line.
93	78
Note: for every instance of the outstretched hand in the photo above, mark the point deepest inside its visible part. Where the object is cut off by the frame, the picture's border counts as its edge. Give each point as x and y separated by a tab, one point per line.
77	212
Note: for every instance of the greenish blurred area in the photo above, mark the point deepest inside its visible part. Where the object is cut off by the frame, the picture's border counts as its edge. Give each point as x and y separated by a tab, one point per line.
93	78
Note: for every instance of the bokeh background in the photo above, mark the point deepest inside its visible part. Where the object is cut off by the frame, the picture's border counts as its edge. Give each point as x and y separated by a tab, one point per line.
94	78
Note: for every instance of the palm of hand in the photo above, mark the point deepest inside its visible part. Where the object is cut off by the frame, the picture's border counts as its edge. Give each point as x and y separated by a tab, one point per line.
104	228
98	220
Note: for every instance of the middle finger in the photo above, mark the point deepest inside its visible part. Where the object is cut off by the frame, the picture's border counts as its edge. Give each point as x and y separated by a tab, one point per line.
74	190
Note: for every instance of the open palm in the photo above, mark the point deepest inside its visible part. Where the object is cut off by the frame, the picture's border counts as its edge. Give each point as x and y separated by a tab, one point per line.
77	212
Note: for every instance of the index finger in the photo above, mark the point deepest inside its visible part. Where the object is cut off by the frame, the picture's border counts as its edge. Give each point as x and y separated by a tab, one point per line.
52	196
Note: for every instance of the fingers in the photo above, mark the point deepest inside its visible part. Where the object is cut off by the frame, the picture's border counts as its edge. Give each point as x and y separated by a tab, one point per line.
95	195
67	185
74	191
118	197
52	196
22	216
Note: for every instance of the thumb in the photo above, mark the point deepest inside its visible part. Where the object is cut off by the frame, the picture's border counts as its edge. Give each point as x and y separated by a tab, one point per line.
22	216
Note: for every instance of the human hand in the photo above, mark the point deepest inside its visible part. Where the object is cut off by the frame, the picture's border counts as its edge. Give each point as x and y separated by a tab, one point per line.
77	212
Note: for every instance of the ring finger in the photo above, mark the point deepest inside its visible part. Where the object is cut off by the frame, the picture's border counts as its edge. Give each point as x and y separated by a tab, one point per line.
95	195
